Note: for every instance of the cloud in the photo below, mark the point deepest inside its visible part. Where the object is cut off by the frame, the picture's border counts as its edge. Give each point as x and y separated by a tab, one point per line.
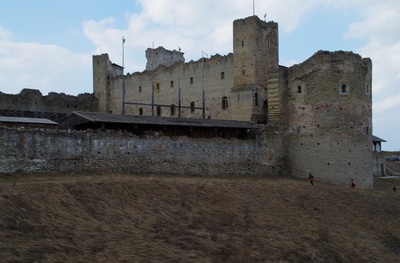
4	34
45	67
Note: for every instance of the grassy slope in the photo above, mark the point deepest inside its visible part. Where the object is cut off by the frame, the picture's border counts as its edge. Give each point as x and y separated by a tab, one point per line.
156	219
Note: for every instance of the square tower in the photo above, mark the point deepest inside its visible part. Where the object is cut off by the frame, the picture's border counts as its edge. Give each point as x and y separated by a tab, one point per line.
256	68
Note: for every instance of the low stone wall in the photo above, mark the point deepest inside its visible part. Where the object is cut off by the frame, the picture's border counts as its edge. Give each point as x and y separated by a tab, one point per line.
61	151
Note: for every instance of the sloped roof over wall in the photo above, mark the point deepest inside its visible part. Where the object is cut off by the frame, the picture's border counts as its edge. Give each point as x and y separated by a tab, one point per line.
377	139
27	120
152	120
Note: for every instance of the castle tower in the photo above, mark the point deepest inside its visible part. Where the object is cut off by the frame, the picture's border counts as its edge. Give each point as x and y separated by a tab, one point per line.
330	118
103	74
256	70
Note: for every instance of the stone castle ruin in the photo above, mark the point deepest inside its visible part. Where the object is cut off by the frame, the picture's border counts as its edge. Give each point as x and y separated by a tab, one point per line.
311	117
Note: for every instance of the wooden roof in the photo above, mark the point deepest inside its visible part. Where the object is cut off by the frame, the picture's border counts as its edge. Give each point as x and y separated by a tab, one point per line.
27	120
153	120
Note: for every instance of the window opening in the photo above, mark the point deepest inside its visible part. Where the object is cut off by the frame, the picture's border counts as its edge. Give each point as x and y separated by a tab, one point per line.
256	99
173	110
141	111
140	89
158	110
192	106
172	83
158	85
222	75
224	102
344	89
299	89
191	80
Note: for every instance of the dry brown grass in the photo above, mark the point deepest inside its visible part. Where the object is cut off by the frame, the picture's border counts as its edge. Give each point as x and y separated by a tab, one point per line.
170	219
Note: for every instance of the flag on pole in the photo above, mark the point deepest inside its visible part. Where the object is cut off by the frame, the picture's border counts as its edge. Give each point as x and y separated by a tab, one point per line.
123	40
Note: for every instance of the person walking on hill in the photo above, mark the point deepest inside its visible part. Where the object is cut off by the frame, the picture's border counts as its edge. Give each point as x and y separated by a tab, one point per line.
352	184
311	178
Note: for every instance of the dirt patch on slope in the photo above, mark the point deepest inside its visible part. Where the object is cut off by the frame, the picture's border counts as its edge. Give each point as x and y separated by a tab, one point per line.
171	219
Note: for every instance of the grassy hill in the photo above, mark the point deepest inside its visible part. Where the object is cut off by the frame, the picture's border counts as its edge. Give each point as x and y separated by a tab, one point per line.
173	219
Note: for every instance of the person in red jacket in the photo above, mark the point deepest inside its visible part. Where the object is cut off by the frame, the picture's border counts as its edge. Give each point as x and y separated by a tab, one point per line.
353	185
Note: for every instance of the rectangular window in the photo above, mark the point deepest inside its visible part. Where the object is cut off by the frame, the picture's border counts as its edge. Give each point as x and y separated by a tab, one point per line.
243	72
140	89
172	83
299	89
222	75
344	89
367	89
192	106
141	111
158	85
158	111
173	110
224	103
191	80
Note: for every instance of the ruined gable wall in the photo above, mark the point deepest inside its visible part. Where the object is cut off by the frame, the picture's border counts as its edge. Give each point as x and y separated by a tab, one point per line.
330	125
218	81
161	56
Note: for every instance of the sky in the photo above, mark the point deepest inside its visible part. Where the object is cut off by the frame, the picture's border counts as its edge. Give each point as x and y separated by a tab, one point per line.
48	45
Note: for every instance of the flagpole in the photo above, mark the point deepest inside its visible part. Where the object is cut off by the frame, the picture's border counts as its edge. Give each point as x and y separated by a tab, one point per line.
123	79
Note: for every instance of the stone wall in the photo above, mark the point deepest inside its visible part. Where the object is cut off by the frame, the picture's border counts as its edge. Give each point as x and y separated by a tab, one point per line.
329	117
29	100
213	74
56	151
161	56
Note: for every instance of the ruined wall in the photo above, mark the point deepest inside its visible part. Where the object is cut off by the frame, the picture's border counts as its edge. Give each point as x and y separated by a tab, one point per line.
161	56
30	100
56	151
330	118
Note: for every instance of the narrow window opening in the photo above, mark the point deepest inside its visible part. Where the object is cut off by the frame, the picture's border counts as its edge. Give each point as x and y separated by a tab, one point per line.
299	89
173	110
367	89
344	89
158	111
367	130
172	83
192	106
140	89
243	72
224	103
256	99
222	75
141	111
191	80
242	43
158	85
